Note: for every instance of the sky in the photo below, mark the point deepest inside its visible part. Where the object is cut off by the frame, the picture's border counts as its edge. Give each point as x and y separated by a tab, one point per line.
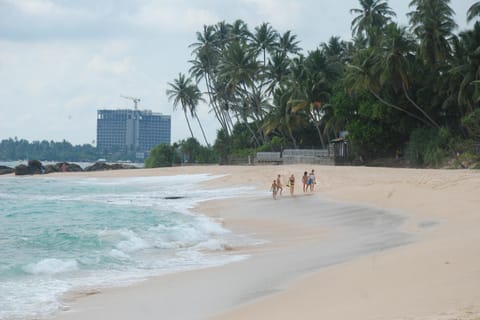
62	60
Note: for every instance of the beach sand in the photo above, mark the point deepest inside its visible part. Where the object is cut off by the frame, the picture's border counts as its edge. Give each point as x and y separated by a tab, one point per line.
369	243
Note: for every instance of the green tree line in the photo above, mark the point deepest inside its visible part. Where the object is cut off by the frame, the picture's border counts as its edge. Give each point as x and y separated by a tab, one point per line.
21	149
414	88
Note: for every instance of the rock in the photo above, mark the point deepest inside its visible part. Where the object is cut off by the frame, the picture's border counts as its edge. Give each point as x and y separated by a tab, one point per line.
22	170
36	167
5	170
101	166
49	168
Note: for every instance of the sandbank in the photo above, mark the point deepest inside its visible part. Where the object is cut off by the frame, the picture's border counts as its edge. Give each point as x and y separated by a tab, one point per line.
319	260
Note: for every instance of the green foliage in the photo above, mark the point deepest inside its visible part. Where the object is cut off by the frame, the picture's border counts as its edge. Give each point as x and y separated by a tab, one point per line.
372	138
163	155
471	123
275	144
15	149
427	147
193	152
223	146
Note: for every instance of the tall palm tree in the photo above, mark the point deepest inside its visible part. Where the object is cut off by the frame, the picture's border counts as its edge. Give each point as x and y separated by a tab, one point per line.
288	43
265	39
371	17
363	74
473	11
466	69
433	23
181	93
237	71
395	63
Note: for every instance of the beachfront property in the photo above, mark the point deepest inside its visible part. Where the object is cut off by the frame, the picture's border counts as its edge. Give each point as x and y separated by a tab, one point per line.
132	130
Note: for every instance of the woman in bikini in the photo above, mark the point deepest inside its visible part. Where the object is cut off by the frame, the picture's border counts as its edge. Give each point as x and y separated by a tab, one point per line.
291	183
304	181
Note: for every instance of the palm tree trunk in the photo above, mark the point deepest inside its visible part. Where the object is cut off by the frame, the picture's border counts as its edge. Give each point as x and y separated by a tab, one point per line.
201	128
188	123
418	107
397	107
320	135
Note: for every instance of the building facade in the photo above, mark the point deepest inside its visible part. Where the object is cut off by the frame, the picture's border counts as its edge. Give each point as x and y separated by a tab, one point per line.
131	130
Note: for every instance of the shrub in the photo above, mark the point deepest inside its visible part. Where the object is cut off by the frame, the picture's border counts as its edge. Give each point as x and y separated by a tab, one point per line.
427	147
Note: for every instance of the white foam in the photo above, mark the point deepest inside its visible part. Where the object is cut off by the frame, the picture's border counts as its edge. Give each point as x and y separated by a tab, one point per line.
132	243
118	254
51	266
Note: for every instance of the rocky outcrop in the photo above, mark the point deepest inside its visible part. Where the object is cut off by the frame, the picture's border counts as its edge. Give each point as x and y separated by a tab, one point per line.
102	166
22	170
36	167
5	170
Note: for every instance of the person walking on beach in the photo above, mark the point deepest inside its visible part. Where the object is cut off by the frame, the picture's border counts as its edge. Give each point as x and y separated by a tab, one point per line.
291	183
311	181
304	181
279	185
274	189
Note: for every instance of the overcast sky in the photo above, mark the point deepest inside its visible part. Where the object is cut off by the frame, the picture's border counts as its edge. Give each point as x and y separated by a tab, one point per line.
61	60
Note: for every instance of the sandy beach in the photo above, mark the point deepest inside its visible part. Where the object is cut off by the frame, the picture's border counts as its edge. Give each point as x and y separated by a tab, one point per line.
369	243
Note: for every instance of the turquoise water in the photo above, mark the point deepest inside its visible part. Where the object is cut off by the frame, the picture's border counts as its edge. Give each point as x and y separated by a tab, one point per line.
62	234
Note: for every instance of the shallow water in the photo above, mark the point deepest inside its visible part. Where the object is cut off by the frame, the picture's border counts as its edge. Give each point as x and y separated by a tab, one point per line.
58	235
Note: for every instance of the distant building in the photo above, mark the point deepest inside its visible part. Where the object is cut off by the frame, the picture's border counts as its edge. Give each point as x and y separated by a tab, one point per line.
131	130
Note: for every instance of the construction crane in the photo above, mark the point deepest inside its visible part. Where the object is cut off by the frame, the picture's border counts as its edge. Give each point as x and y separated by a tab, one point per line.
135	101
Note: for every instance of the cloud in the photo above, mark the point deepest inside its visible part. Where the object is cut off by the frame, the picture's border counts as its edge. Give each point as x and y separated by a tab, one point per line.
37	7
173	16
105	66
282	14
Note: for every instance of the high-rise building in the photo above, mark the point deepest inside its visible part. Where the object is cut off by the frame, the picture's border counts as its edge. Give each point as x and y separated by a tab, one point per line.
131	130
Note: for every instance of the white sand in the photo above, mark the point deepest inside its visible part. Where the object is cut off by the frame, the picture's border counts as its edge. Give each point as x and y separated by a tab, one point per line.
435	277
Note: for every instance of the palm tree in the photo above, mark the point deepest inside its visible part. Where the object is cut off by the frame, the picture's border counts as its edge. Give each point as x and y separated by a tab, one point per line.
363	75
288	43
396	57
237	72
432	22
181	93
473	11
466	68
265	39
371	17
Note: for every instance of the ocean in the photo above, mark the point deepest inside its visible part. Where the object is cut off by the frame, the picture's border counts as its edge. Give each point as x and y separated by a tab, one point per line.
65	234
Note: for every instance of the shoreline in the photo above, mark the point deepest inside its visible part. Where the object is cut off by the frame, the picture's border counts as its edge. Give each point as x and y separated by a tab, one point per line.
434	278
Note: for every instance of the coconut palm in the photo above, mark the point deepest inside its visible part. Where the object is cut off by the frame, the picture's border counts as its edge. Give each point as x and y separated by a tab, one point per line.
182	91
265	40
371	17
288	43
473	11
395	63
237	72
432	22
466	68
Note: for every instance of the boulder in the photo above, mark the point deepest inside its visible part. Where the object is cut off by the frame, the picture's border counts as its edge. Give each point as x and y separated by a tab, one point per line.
22	170
36	167
101	166
5	170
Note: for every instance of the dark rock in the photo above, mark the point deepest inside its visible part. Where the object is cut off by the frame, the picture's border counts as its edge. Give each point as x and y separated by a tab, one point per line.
70	167
101	166
5	170
49	168
22	170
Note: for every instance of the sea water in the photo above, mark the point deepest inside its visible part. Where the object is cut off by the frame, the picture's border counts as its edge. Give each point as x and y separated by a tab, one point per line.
62	234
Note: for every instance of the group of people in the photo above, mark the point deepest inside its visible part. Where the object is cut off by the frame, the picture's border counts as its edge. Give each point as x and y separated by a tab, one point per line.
308	180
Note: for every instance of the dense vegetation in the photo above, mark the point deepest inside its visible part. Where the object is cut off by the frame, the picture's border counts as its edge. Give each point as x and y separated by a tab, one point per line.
412	88
20	149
